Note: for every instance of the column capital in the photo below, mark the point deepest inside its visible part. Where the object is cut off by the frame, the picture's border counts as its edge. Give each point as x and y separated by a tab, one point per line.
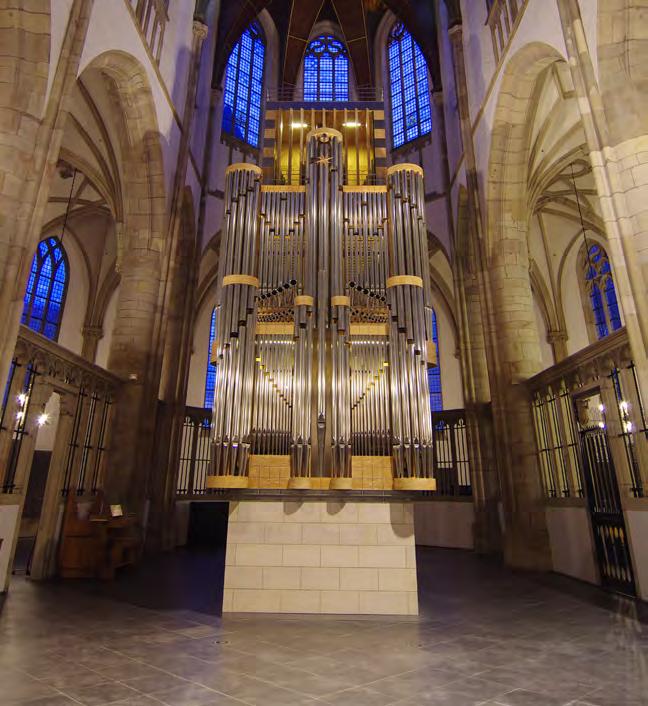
91	331
200	30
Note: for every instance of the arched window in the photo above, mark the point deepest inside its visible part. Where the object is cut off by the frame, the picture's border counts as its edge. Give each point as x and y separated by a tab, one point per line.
210	378
46	289
243	87
600	291
434	373
326	70
411	115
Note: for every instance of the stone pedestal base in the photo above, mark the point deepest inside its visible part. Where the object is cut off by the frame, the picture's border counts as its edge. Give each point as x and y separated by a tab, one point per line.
321	557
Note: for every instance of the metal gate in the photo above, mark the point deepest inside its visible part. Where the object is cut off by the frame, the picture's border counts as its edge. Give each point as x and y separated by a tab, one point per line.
608	525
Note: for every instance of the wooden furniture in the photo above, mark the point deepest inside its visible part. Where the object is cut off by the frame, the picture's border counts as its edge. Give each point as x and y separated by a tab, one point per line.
98	544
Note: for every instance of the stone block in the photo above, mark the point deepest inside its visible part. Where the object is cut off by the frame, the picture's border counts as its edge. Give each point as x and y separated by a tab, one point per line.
384	603
259	555
300	602
357	579
302	555
397	579
281	577
379	557
283	533
320	578
244	577
256	601
341	602
339	556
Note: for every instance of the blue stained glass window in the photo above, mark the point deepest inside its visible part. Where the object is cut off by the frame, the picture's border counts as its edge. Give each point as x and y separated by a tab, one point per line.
243	87
434	373
602	292
410	96
210	378
46	289
326	70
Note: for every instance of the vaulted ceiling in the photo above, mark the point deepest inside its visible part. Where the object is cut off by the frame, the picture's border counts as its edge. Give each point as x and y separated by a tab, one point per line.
358	20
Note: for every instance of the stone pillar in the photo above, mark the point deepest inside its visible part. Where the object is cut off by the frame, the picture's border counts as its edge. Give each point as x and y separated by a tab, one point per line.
130	357
177	325
558	342
512	348
91	337
31	143
615	116
44	558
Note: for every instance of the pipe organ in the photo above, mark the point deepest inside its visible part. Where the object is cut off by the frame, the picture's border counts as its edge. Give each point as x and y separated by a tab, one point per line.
324	324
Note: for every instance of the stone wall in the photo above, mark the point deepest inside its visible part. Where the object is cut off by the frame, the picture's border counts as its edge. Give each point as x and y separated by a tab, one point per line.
321	557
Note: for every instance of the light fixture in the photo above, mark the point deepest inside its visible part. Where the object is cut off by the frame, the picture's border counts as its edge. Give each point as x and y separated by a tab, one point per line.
352	123
627	426
601	408
22	399
601	425
20	415
43	418
624	406
298	126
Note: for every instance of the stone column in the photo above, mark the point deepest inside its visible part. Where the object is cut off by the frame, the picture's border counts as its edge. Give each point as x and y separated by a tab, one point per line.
91	337
44	558
512	354
133	421
176	332
31	143
614	118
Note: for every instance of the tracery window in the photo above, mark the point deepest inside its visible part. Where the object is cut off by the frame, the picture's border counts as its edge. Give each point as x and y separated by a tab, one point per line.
600	291
210	378
46	289
434	373
411	114
243	87
326	70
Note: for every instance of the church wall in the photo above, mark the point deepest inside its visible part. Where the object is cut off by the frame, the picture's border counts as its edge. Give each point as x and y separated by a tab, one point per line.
103	347
572	548
637	526
112	28
445	524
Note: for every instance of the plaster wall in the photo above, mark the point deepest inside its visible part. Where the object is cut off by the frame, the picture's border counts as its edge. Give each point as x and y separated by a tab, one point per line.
637	526
8	527
572	547
445	524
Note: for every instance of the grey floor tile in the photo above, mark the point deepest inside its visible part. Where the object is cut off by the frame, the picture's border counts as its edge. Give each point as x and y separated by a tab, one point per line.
485	636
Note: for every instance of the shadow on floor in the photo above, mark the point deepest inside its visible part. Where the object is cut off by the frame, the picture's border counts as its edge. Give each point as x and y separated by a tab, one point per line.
186	579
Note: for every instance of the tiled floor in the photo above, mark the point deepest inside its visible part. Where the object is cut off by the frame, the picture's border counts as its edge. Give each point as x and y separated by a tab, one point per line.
485	636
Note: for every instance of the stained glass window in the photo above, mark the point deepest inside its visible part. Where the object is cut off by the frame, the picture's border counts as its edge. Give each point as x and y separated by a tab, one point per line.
601	291
210	379
411	114
46	289
244	86
434	373
326	70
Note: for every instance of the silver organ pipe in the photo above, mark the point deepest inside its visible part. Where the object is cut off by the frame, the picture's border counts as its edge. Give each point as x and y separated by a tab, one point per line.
324	321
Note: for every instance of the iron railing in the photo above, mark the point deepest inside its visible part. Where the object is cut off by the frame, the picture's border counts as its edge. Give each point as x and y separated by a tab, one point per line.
451	458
